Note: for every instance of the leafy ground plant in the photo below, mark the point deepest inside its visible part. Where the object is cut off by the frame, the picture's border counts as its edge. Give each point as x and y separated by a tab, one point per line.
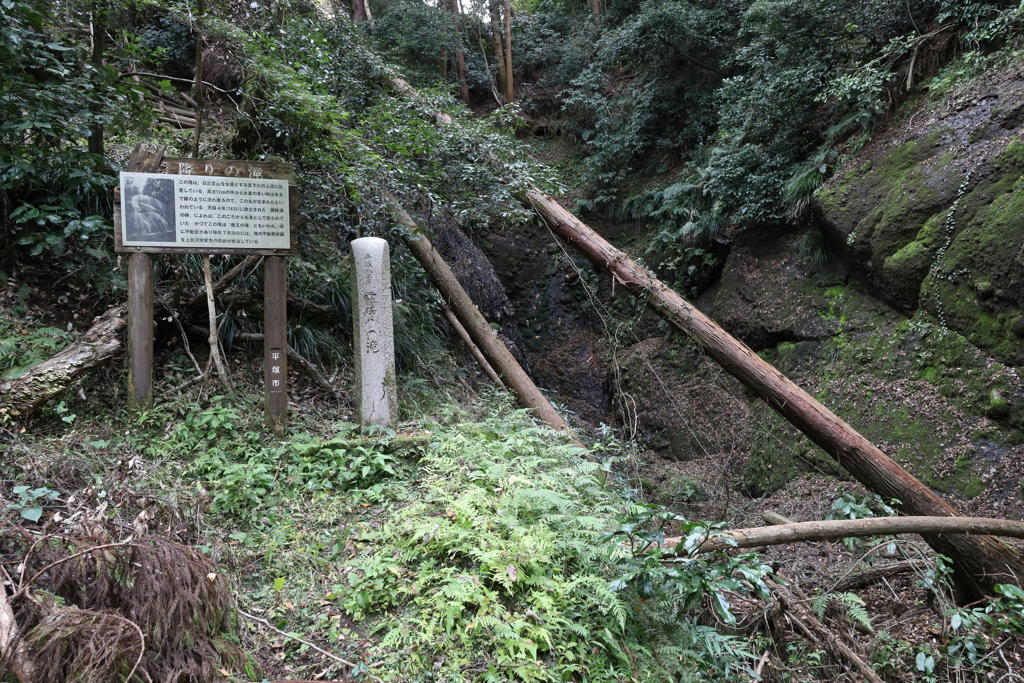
507	564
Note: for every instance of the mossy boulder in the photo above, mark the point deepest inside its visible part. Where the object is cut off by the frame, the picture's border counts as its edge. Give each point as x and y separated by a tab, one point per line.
883	214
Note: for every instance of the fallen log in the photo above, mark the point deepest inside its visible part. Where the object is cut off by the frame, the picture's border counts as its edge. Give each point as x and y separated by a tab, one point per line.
979	561
832	529
483	335
254	300
872	576
24	395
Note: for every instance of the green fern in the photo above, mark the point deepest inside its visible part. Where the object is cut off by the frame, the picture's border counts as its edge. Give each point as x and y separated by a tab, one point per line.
855	607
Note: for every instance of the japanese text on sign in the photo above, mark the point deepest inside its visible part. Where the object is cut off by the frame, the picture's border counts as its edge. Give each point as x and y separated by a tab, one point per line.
204	211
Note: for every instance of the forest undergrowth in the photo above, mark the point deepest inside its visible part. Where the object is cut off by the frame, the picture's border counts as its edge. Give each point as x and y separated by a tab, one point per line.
182	542
469	544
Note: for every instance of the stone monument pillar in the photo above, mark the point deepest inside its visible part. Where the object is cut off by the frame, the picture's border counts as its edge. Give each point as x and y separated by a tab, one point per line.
373	337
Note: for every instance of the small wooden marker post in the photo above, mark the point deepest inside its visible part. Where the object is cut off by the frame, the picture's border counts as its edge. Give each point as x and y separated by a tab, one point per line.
206	206
275	342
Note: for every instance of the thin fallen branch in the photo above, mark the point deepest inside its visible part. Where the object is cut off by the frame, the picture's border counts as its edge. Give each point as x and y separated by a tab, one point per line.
473	348
829	530
335	657
760	665
818	633
189	383
142	643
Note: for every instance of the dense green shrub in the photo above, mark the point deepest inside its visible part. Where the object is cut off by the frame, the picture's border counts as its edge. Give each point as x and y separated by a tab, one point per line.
53	195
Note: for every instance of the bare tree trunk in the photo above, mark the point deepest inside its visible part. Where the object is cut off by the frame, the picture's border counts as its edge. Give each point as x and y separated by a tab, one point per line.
595	6
499	51
99	43
509	78
473	348
214	337
197	88
460	57
832	529
361	11
980	561
511	373
26	394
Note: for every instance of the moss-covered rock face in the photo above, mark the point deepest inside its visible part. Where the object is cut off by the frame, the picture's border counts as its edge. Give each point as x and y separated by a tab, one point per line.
767	293
892	217
880	208
923	393
977	284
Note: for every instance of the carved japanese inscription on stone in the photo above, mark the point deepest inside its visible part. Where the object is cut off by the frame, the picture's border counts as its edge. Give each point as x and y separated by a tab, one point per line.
374	337
195	211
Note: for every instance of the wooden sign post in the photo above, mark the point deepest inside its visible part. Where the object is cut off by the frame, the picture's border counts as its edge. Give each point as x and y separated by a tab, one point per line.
206	206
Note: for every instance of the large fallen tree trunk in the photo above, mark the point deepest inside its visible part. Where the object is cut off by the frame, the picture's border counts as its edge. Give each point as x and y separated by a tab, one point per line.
483	335
26	394
833	529
979	561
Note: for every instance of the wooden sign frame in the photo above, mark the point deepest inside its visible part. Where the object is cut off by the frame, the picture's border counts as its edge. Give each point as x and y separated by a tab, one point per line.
140	282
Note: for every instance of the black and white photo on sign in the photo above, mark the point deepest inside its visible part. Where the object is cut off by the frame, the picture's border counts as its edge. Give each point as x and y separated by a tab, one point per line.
149	209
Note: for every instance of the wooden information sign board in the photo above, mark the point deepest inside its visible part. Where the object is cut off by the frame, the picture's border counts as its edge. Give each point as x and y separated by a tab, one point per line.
206	206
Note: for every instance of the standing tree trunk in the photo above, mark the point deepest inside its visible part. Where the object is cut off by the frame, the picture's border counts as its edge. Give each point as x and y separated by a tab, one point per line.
361	11
509	78
980	562
595	6
197	87
460	57
99	44
499	51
